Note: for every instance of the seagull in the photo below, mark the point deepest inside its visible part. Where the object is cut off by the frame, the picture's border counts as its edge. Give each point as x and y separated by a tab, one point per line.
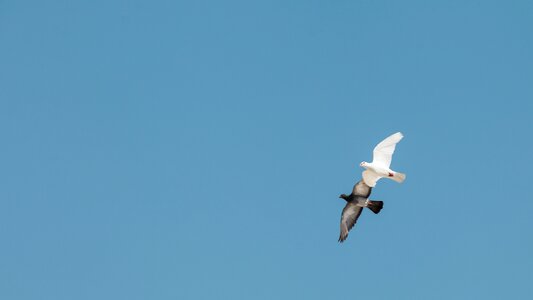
380	166
356	201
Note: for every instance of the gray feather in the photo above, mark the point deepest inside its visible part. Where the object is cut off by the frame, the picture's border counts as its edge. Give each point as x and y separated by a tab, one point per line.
361	189
350	214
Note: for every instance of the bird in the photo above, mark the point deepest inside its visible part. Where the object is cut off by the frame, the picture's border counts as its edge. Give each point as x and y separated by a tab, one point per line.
380	165
356	201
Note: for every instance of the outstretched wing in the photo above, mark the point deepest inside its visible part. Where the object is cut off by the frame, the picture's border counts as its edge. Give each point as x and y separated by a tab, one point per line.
384	150
362	189
370	178
350	214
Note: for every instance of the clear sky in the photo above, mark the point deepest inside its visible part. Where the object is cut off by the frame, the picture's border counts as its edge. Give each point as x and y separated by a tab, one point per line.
197	149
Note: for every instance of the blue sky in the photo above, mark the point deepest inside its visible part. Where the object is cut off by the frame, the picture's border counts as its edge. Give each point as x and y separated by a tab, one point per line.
196	150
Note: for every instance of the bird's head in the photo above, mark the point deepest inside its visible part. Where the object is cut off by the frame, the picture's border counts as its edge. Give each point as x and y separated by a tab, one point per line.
363	164
343	196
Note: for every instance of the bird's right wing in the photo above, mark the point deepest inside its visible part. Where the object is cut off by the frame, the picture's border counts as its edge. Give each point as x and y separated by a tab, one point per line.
350	214
370	178
361	189
384	150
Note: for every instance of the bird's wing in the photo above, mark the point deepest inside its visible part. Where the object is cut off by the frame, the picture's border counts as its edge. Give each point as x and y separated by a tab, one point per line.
370	178
384	150
362	189
350	214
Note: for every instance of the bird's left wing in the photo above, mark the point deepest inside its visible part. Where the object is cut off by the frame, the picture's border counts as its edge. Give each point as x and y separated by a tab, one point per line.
350	214
384	150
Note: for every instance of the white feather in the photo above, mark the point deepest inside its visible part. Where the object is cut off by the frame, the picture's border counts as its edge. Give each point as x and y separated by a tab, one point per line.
371	178
380	166
384	150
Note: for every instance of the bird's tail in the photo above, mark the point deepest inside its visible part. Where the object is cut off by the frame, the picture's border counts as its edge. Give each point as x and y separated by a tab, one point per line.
375	206
398	177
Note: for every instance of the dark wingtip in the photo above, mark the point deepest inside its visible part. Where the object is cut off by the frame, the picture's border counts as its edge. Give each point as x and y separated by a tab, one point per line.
342	238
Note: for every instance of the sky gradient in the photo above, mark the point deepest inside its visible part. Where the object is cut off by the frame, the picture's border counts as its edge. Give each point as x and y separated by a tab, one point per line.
197	149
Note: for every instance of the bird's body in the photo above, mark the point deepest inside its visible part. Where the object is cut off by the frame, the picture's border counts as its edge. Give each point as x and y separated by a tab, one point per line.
379	170
380	165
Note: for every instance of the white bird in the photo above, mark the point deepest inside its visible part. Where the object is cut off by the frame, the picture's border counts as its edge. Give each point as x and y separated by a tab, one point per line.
380	165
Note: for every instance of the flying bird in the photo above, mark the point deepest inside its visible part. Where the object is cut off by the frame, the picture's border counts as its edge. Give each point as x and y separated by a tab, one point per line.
380	165
356	201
